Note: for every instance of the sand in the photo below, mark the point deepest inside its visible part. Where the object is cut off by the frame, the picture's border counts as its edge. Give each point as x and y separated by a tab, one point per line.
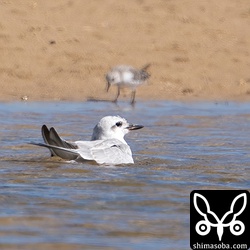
61	50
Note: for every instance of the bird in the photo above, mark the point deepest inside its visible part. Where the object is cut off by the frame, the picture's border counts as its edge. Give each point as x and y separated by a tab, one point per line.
107	144
127	76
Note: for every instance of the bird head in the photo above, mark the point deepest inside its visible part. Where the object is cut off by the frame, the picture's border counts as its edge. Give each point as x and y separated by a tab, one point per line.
113	77
113	127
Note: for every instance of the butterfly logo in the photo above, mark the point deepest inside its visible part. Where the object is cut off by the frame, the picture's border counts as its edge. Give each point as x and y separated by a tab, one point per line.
203	227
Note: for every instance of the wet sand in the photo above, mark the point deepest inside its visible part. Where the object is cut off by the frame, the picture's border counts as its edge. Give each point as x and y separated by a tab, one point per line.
199	50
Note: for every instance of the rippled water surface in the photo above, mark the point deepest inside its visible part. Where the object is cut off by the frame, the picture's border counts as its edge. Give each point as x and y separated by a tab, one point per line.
47	203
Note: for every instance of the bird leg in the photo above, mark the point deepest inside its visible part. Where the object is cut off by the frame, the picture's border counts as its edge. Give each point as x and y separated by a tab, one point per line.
118	93
133	97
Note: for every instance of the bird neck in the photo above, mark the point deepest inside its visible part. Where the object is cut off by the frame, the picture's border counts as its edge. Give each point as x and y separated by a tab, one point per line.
120	138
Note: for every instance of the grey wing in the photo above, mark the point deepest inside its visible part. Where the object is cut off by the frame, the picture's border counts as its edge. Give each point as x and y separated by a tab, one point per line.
46	134
82	152
51	138
84	148
112	152
64	153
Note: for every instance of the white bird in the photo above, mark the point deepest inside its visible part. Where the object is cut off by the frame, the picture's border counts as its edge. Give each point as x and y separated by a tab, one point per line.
127	76
107	145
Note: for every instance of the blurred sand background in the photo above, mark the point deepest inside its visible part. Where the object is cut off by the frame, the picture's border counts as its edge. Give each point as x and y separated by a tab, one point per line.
61	50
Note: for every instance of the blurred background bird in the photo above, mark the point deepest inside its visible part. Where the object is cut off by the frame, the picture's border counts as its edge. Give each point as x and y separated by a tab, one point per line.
127	76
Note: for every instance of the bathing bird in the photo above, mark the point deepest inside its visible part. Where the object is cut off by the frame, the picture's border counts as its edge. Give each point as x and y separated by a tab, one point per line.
107	145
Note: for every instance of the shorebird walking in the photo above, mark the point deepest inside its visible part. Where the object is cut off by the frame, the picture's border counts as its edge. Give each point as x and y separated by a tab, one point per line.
127	76
107	145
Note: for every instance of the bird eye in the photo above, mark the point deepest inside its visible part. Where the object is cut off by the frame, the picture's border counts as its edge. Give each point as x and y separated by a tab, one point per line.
118	124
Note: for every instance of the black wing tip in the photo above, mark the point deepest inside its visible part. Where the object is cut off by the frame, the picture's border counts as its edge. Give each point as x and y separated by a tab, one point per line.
53	130
45	129
44	126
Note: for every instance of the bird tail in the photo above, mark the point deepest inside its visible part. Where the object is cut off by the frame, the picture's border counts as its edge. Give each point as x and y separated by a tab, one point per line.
144	74
145	67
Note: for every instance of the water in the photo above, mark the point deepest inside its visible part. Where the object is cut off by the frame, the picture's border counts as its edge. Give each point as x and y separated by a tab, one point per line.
47	203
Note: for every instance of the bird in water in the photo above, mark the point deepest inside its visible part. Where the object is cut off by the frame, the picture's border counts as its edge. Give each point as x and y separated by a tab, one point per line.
107	145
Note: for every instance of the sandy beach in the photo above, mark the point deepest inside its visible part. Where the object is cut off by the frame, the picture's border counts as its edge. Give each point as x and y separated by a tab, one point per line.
61	50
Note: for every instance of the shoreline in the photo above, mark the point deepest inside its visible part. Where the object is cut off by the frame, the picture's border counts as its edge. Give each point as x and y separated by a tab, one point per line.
124	101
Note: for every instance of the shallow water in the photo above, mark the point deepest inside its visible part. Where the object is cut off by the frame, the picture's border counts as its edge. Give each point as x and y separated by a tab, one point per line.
47	203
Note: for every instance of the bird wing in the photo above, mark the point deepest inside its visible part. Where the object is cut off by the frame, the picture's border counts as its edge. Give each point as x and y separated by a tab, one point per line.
51	138
64	153
46	137
84	148
112	151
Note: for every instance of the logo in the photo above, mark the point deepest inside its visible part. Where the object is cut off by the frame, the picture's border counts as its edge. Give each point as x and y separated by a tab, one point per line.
203	227
219	218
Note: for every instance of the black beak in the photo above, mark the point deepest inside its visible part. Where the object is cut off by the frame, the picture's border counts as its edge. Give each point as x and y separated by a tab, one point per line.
134	127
